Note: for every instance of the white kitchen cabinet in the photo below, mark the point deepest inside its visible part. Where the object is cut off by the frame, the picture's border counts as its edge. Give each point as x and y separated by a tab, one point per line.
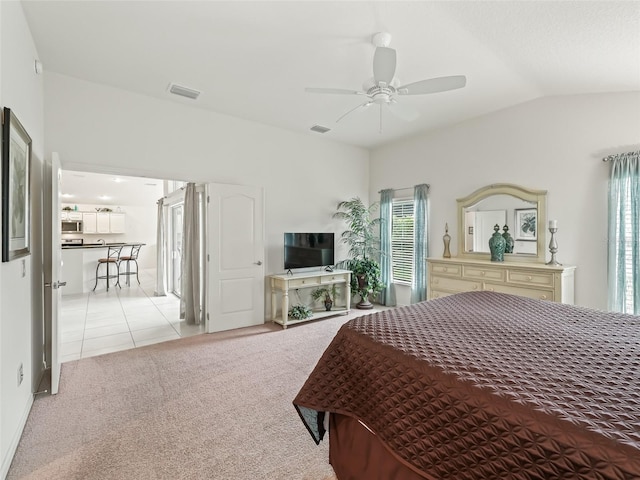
116	223
89	222
102	222
64	215
76	216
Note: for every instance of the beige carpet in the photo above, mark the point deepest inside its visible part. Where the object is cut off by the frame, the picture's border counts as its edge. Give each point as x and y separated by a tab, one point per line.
206	407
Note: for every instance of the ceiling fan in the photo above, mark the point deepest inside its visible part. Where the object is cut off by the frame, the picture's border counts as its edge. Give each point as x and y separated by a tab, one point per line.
383	88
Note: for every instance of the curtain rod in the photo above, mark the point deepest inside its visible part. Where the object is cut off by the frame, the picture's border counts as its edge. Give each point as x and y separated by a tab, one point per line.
404	188
611	157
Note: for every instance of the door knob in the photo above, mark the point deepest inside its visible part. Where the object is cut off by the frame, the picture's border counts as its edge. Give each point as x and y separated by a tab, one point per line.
258	262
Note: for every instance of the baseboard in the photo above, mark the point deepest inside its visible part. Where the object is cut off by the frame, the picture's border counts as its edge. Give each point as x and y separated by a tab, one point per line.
13	446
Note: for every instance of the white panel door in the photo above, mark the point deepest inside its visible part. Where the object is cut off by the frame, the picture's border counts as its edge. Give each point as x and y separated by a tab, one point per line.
52	269
235	245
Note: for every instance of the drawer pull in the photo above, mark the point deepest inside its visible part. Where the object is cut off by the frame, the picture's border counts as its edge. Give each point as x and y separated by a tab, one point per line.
475	287
529	278
482	273
543	297
444	269
436	296
490	289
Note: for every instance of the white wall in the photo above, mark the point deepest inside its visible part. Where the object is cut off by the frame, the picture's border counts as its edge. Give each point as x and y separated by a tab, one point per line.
554	144
20	311
98	128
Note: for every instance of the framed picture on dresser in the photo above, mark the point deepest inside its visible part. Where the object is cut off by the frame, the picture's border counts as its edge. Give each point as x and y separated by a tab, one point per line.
526	224
16	169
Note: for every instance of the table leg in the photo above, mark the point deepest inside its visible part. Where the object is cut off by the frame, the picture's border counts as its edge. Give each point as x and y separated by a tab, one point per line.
285	308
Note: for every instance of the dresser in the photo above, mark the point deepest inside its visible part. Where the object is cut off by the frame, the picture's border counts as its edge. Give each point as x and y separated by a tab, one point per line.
447	276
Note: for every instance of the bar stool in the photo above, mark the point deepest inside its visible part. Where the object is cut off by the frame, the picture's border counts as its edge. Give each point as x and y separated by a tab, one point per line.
132	257
113	258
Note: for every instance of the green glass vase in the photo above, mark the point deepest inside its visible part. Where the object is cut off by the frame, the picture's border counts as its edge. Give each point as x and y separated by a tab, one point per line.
509	239
497	245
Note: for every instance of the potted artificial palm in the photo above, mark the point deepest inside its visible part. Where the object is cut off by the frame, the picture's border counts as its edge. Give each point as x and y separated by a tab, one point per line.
328	294
363	242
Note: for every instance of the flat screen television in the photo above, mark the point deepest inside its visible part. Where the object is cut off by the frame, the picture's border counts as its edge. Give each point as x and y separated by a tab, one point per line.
309	249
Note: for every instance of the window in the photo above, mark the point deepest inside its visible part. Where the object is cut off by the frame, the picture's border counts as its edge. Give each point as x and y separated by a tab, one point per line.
402	240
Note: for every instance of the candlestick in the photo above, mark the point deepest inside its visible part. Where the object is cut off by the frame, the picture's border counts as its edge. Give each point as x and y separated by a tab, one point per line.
553	245
553	224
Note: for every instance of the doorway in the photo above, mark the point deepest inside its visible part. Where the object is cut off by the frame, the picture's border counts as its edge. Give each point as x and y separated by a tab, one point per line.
101	321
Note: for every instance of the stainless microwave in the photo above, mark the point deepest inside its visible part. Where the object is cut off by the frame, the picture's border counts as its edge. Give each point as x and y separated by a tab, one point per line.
71	226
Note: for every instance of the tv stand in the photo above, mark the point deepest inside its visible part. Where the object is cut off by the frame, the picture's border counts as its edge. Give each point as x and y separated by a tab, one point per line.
284	283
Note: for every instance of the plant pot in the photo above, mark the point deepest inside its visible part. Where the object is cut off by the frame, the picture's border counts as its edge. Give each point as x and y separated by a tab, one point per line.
328	304
364	303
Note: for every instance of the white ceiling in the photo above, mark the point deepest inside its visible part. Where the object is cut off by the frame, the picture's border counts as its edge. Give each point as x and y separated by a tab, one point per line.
253	59
109	190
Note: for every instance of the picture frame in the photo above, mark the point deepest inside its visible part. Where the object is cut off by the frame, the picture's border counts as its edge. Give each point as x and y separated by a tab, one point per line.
16	194
526	224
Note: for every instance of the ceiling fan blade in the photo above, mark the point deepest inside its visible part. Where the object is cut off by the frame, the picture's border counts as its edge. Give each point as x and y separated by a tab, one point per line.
338	91
403	111
384	65
362	105
433	85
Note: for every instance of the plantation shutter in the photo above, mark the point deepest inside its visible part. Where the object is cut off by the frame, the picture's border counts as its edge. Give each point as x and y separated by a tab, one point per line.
402	241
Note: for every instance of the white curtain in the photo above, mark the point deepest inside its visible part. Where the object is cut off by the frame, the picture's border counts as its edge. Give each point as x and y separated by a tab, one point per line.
191	298
161	254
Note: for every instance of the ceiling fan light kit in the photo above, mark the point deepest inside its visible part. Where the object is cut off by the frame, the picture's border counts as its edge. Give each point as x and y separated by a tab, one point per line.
383	87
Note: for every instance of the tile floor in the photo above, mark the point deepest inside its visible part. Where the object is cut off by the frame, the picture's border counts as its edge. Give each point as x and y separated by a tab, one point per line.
103	322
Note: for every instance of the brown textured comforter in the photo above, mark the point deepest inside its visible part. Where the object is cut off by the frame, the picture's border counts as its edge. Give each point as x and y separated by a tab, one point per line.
487	385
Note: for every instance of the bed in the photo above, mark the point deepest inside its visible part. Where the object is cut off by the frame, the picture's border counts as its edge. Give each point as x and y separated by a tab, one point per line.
479	385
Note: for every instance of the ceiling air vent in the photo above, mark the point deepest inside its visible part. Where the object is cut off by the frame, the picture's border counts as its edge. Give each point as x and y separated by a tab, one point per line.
320	129
183	91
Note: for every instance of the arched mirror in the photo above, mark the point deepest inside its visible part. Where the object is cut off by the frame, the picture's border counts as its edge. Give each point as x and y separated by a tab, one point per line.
523	211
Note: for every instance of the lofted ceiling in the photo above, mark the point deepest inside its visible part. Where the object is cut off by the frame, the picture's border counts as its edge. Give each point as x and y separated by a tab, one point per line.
253	60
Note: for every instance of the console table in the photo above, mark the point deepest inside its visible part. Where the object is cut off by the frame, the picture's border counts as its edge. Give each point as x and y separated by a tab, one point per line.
284	283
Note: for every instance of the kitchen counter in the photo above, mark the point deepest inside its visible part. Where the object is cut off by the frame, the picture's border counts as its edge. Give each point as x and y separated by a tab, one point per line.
99	245
79	264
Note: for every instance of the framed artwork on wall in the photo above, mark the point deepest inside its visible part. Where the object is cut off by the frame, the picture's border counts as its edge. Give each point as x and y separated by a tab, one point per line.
16	170
526	224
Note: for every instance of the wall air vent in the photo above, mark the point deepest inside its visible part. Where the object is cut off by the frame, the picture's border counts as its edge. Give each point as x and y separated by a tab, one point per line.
184	91
320	129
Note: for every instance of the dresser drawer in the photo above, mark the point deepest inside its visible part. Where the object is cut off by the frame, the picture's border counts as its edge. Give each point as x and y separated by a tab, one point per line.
441	269
333	278
439	294
480	273
539	294
304	282
441	282
530	278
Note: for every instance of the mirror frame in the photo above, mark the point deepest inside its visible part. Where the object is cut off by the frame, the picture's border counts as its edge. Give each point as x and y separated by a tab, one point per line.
537	197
